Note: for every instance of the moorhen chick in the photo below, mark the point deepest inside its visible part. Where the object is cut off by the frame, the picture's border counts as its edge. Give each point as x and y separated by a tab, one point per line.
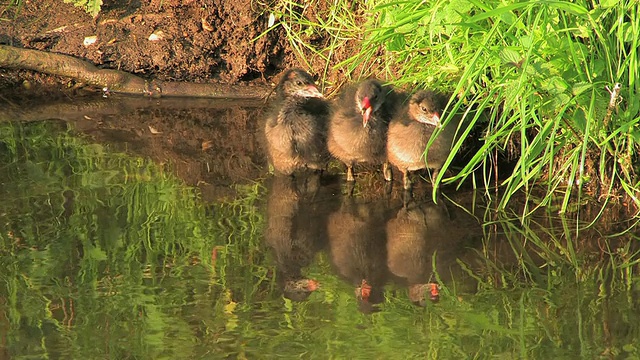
295	130
358	126
410	131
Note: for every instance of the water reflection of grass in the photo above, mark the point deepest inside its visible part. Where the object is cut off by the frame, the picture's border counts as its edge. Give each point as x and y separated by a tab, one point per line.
103	255
568	283
100	242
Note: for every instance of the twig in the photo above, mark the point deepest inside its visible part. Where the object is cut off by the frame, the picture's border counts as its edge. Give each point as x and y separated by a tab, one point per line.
613	102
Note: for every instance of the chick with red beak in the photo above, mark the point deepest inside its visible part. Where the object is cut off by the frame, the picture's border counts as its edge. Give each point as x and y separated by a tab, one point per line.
358	126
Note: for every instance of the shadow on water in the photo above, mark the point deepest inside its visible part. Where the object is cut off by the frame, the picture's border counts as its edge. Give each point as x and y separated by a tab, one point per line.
105	253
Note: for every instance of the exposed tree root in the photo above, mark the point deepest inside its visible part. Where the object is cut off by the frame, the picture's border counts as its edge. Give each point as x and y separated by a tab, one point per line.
74	110
118	81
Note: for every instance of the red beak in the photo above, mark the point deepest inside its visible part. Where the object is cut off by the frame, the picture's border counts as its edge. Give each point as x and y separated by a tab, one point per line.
366	111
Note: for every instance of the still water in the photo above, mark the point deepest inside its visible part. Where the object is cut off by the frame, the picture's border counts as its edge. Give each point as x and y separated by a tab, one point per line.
152	230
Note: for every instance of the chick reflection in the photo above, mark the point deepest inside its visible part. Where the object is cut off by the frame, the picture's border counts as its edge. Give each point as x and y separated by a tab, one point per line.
294	232
417	232
357	240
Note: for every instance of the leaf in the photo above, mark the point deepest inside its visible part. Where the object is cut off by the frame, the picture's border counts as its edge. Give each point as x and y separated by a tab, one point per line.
627	32
554	85
397	43
598	67
580	87
93	7
583	31
496	12
507	9
569	7
451	13
605	4
510	56
407	28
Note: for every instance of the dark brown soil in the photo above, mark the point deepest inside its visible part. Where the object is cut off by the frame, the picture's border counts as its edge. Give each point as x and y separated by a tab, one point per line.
202	41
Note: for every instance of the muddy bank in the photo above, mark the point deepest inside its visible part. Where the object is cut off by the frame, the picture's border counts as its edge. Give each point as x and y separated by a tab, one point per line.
197	41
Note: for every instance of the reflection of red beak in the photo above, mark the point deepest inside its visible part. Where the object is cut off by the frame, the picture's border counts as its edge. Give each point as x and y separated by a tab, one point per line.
365	290
312	285
434	292
310	91
366	111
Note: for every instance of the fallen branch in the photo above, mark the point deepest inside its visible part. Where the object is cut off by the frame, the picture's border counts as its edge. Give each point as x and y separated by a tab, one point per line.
118	81
78	110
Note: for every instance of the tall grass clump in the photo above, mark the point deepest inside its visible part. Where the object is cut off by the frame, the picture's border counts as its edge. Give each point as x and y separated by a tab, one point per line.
533	78
539	72
318	31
